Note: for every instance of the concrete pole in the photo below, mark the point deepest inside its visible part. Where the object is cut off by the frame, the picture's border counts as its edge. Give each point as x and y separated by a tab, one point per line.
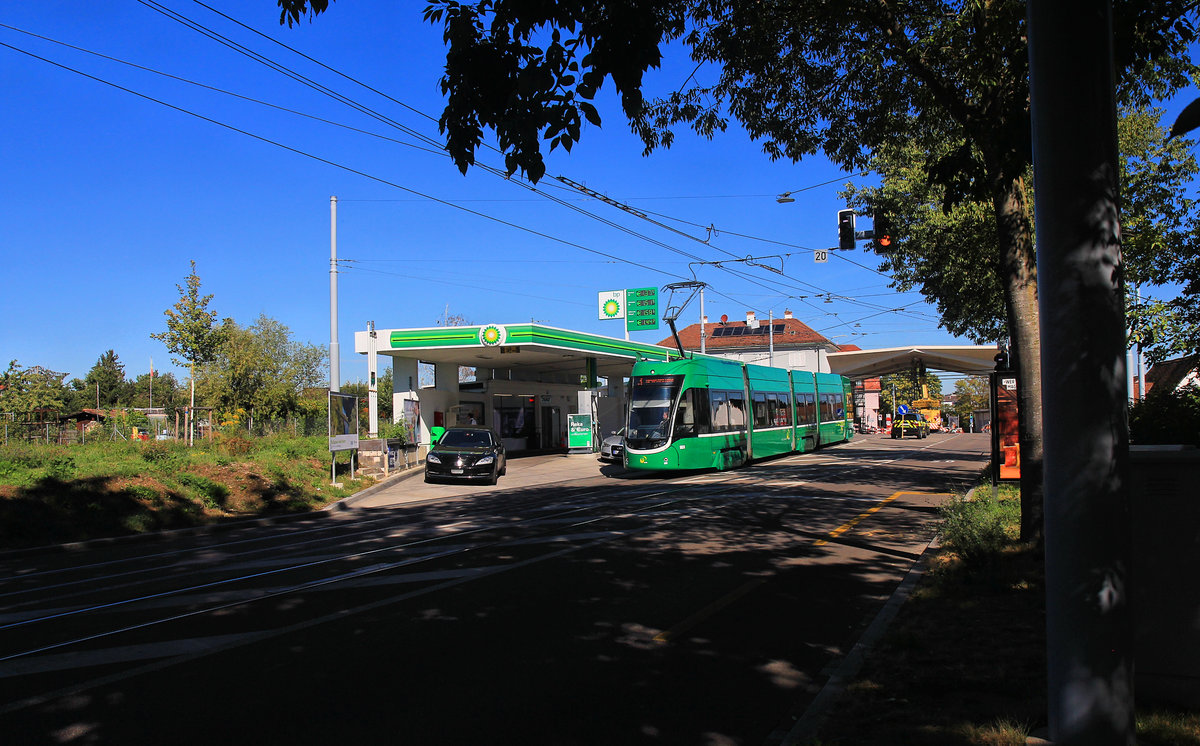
335	373
1089	620
703	322
373	384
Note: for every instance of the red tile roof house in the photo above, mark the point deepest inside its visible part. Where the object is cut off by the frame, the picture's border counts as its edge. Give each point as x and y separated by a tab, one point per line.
794	343
1174	374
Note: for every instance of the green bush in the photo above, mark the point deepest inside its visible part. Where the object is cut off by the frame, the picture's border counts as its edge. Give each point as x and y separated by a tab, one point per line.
978	529
61	467
1166	417
213	495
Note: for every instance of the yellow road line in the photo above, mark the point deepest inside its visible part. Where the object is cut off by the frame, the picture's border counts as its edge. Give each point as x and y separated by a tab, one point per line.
707	611
855	520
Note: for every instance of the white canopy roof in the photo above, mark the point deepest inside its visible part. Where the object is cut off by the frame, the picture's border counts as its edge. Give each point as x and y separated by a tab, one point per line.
970	359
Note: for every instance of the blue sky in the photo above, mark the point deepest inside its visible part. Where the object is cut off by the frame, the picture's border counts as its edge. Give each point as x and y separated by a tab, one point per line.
107	196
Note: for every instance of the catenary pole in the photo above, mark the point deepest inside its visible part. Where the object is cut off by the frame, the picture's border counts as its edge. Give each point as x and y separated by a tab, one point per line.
335	376
1089	625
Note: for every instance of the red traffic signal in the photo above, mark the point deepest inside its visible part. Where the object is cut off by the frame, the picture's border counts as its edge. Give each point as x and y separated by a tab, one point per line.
882	241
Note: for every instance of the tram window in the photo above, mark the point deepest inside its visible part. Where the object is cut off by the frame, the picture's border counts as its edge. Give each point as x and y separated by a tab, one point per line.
827	408
762	414
720	411
806	411
839	406
693	416
780	409
737	411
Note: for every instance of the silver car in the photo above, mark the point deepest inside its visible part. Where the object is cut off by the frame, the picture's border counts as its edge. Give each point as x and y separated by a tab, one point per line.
612	448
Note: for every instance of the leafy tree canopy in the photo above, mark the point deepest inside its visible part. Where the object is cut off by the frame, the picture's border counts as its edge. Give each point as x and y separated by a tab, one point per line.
106	381
260	368
908	387
191	335
24	390
948	250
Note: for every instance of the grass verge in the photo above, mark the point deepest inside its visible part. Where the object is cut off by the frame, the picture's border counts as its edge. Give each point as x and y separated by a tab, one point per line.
58	494
964	663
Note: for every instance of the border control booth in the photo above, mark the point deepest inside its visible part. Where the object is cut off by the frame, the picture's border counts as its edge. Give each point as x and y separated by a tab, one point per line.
522	380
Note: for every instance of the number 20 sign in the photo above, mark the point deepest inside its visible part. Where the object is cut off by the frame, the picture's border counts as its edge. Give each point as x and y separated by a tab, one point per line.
820	256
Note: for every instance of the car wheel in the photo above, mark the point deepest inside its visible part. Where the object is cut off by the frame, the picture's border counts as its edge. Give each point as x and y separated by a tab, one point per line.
504	469
494	477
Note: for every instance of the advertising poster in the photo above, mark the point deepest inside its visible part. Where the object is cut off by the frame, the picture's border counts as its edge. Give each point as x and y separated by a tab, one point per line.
579	432
343	422
1006	447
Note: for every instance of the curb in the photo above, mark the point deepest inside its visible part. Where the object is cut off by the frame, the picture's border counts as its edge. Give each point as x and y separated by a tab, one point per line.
805	728
347	503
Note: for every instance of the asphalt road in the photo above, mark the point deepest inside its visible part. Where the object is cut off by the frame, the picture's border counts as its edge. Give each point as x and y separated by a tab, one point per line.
571	604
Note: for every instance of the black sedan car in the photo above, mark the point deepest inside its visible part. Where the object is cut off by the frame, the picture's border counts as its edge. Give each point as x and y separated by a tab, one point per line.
469	453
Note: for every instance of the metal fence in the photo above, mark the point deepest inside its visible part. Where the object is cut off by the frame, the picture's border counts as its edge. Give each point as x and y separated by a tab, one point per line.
49	429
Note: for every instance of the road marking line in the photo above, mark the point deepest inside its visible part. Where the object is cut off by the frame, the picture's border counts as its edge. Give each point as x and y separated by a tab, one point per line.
707	611
871	511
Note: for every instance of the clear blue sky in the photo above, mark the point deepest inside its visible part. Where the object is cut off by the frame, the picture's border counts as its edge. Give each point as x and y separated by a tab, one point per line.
107	196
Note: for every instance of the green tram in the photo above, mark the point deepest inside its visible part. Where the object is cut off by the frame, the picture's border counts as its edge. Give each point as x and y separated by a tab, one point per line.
710	413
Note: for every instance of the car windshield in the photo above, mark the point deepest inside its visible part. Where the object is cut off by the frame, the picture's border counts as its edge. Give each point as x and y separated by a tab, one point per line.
466	439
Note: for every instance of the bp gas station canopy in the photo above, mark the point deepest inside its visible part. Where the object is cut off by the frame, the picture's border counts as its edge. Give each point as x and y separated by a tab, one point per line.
528	348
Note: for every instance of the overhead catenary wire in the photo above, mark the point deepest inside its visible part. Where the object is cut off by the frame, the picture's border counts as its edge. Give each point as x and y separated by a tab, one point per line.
254	55
741	275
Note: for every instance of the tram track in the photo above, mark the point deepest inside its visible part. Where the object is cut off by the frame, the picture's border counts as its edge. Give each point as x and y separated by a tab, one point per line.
661	506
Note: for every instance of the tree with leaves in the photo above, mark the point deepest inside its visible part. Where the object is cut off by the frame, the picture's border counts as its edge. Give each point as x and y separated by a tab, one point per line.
106	381
970	395
947	251
907	386
192	335
261	369
24	390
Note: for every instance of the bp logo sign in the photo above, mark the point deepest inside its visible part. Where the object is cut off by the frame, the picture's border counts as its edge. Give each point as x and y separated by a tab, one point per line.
611	308
492	335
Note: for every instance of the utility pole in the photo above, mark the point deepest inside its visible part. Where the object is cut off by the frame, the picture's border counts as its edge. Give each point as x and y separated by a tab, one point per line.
1089	615
335	374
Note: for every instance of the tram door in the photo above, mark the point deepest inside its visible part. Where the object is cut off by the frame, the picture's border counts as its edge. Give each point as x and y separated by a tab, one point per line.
551	427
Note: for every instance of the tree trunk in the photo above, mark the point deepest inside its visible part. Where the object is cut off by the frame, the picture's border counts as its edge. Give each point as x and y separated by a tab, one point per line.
1018	268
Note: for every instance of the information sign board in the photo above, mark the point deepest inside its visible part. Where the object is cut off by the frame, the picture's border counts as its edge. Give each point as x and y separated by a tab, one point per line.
343	422
641	309
579	432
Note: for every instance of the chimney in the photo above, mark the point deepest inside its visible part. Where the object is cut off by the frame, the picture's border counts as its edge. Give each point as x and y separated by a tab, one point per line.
750	320
787	313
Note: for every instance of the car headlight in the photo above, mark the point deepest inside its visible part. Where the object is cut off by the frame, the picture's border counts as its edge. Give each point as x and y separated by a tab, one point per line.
486	460
432	458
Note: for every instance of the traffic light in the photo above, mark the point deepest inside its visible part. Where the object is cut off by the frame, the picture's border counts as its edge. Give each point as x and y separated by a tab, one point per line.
882	242
846	230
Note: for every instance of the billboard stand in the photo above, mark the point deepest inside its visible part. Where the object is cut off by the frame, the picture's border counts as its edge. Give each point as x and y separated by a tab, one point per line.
343	430
1006	448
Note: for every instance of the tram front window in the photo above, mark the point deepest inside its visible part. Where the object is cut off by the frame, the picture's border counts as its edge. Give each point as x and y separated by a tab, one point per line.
650	410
